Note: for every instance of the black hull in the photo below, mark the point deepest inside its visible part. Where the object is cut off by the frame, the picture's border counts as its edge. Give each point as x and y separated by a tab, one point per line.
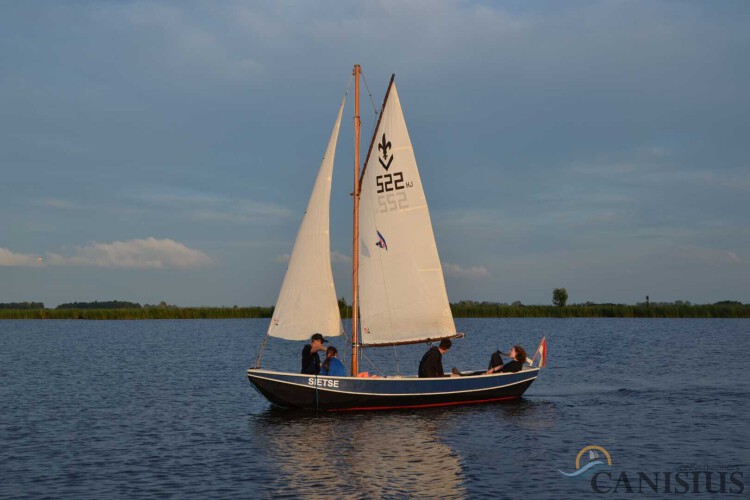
350	394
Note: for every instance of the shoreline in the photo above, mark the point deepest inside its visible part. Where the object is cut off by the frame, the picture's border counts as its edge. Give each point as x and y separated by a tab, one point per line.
459	311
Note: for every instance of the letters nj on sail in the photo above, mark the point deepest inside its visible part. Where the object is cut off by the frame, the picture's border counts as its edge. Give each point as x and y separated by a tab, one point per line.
401	285
307	301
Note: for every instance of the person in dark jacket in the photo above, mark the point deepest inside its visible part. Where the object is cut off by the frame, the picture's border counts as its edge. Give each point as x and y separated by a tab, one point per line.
518	358
310	358
432	362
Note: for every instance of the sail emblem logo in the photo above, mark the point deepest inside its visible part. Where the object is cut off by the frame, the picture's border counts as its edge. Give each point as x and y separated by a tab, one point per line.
595	460
383	147
381	241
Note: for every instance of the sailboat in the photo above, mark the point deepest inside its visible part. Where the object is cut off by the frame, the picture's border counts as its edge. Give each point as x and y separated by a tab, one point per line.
399	295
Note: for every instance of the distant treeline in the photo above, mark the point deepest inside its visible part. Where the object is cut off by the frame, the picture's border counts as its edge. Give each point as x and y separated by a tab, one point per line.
465	309
22	305
680	309
140	313
108	304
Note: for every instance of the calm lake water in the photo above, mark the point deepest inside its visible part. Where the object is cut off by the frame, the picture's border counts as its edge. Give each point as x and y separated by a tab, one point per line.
125	409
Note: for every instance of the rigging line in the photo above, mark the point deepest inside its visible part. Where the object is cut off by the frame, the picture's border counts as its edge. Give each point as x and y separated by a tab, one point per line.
317	401
372	363
395	355
262	348
374	108
348	84
346	341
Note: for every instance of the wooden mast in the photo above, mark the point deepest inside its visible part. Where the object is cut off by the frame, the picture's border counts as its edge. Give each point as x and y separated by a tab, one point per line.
355	230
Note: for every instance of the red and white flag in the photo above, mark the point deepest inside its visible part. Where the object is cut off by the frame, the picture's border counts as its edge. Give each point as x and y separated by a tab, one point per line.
541	351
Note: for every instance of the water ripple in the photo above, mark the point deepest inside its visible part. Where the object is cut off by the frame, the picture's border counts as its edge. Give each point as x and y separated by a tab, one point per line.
162	409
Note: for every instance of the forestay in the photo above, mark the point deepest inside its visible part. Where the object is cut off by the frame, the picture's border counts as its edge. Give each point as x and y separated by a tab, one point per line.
307	301
401	285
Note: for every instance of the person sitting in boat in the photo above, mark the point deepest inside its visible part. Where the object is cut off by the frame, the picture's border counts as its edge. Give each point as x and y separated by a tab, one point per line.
518	358
432	362
332	366
310	358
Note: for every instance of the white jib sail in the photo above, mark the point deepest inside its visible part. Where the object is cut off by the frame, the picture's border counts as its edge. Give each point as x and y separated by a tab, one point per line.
307	301
401	286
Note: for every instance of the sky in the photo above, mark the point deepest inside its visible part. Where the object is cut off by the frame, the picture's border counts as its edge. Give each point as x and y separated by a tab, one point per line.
165	151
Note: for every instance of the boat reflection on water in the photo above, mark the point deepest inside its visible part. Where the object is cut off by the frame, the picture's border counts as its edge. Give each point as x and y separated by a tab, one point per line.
370	455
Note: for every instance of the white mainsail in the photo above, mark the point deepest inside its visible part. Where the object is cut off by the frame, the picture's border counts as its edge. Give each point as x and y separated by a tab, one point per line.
307	301
401	284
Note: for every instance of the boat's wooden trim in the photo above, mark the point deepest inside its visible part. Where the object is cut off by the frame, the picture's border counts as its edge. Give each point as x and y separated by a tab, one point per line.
420	341
355	229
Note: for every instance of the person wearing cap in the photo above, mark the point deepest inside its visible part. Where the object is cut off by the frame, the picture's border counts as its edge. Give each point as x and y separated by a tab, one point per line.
310	358
432	362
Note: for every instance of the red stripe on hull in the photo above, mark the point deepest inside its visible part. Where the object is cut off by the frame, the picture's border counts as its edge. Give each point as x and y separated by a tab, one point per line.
431	405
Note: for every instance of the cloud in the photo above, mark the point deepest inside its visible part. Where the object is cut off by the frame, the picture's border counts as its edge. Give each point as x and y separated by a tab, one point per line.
182	40
243	213
140	254
59	204
709	256
8	258
457	271
693	256
212	208
150	253
723	180
176	198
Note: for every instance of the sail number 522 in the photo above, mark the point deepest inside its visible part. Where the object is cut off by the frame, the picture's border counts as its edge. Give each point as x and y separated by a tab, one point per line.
390	182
